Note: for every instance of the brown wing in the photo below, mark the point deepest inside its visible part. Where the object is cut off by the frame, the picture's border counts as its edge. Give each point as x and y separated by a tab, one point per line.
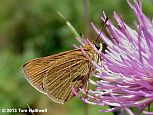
65	74
36	69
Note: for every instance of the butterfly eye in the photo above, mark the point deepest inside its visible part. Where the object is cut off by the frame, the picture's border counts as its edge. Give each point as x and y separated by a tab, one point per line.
97	46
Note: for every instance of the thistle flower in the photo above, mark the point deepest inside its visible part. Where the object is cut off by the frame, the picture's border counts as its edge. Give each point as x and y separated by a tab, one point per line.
126	75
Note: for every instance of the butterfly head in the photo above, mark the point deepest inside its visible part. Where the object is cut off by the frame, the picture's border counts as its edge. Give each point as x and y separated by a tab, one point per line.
98	45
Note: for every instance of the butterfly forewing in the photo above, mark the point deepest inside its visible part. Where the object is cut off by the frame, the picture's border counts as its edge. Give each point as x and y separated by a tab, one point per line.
55	75
35	71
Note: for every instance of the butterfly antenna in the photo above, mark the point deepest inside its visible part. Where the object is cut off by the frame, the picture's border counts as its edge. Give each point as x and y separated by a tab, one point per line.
102	28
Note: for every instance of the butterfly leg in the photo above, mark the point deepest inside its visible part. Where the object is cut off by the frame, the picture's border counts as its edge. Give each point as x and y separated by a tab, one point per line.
86	87
78	82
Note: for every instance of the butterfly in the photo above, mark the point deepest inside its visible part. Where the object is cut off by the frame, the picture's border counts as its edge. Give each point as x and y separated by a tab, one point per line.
57	74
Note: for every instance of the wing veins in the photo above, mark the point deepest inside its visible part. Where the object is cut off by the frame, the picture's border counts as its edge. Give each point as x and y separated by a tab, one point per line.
70	86
66	81
59	77
64	68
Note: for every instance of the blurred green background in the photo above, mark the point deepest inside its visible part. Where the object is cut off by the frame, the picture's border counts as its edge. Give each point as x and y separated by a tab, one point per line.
32	28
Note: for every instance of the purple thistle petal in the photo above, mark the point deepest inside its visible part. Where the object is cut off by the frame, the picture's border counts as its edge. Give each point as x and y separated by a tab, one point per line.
110	110
148	113
125	75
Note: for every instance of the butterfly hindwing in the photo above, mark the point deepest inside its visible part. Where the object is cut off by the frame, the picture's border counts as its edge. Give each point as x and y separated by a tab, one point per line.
61	77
